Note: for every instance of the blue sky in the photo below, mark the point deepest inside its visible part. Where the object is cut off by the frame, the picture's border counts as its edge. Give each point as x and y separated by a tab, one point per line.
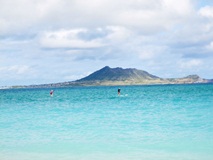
47	41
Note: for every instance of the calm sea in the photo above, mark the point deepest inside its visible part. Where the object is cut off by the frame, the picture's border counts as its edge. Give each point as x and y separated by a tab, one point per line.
160	122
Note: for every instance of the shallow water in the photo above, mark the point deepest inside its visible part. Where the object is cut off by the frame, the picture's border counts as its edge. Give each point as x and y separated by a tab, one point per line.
89	123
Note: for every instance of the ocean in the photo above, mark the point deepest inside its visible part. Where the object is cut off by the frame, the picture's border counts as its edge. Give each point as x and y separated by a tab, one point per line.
156	122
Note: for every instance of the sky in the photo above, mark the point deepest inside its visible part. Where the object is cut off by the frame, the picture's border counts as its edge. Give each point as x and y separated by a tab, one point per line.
48	41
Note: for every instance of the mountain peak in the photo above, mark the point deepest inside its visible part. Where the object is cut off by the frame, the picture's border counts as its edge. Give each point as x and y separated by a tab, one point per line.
194	76
118	74
106	67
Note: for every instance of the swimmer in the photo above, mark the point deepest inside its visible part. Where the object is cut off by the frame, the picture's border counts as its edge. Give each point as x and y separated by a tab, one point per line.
51	93
119	91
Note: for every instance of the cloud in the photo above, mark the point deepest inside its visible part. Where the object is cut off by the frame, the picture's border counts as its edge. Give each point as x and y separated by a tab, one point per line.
186	64
210	46
146	16
75	77
85	39
24	15
16	69
17	74
78	36
206	11
150	52
69	39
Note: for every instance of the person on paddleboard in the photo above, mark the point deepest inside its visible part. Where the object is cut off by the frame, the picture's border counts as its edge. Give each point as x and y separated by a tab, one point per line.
51	93
119	91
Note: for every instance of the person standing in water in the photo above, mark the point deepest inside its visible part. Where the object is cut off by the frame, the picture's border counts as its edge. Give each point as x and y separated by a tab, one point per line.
51	93
119	91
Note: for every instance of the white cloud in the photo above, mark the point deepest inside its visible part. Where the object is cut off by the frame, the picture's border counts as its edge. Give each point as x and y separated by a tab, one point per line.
152	34
206	11
142	15
117	34
149	52
85	38
19	15
76	77
15	69
186	64
180	7
68	39
210	46
144	55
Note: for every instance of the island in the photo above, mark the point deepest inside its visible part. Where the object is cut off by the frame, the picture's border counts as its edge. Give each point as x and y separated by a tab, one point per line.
118	76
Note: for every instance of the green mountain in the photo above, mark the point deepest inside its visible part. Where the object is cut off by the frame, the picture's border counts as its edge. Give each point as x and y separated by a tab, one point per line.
131	76
118	76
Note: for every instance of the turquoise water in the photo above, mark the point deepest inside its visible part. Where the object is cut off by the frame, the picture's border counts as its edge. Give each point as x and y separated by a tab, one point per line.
94	123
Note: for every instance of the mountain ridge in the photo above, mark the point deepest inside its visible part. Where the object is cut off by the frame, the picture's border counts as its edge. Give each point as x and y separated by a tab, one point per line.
107	76
132	76
118	73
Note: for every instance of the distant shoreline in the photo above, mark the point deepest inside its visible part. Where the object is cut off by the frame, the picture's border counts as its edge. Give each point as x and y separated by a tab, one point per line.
107	76
79	86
